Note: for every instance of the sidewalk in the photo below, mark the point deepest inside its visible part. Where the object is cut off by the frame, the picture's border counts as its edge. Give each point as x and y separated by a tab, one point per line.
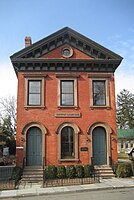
104	184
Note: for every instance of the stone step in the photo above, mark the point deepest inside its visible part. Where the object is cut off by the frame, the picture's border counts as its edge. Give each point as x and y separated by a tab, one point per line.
104	171
32	174
33	167
33	170
108	176
102	167
34	180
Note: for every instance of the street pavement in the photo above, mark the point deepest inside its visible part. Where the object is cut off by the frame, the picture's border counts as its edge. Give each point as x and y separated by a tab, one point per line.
36	189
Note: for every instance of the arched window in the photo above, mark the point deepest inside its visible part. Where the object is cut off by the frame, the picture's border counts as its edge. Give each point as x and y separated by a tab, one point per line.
68	138
67	143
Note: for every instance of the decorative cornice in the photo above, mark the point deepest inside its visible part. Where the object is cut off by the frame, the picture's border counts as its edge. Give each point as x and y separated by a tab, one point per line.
67	65
103	58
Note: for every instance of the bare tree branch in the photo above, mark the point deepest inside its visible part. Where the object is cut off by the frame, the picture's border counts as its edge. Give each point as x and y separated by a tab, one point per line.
8	108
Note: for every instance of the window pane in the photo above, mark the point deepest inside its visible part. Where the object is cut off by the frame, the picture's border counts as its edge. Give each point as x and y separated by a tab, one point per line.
34	99
67	99
99	93
34	86
67	143
67	87
34	92
67	93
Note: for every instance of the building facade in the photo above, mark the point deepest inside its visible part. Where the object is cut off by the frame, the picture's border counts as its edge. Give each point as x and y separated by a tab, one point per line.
125	140
66	111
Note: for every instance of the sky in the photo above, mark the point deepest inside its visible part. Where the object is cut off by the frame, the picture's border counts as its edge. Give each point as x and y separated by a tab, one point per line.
107	22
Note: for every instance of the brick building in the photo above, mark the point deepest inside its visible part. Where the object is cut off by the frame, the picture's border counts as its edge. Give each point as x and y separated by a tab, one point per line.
66	110
125	140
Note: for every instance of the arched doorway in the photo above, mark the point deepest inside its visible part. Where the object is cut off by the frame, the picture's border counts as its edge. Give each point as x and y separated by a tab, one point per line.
34	147
99	146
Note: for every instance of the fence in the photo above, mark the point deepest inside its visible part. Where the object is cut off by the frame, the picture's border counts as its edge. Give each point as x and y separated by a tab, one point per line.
71	181
5	172
5	176
7	185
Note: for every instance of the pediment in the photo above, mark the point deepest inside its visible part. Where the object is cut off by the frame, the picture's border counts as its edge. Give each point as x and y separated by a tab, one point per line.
85	48
57	53
66	36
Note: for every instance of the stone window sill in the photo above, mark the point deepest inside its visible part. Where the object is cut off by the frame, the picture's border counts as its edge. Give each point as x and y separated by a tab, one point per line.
67	107
34	107
101	107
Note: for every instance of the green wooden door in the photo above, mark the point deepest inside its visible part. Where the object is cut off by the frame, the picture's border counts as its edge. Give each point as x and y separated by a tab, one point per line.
99	146
34	147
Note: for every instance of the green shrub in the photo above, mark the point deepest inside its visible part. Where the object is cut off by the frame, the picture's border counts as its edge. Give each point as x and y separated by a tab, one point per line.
70	171
88	170
50	172
16	174
124	170
79	171
61	171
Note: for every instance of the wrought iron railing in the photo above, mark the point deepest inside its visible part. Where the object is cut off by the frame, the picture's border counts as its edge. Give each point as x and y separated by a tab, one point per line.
24	163
43	166
94	178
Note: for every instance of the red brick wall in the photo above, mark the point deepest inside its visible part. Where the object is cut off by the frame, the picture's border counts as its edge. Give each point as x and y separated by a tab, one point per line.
47	116
48	119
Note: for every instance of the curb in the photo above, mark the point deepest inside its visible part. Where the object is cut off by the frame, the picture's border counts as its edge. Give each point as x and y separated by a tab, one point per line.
65	191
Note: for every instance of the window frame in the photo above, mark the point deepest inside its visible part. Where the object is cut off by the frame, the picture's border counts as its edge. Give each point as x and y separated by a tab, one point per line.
100	77
30	93
104	92
66	93
76	142
36	77
68	77
68	143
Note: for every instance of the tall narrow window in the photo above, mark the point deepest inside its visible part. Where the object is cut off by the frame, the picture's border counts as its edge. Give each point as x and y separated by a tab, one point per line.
67	93
99	93
67	143
34	93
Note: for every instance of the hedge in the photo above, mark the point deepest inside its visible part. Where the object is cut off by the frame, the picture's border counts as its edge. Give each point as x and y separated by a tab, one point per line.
88	170
123	170
70	171
50	172
61	171
79	171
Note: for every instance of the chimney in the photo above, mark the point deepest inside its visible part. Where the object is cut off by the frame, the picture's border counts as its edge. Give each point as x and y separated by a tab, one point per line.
28	41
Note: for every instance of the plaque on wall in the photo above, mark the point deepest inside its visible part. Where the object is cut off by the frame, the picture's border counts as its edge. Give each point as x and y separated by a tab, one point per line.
68	114
84	148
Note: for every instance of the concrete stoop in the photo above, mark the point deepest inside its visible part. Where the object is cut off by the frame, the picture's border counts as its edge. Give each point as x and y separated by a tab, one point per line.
104	171
32	175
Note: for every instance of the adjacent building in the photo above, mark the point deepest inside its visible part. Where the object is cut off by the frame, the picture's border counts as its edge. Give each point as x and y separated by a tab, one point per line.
66	112
125	140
